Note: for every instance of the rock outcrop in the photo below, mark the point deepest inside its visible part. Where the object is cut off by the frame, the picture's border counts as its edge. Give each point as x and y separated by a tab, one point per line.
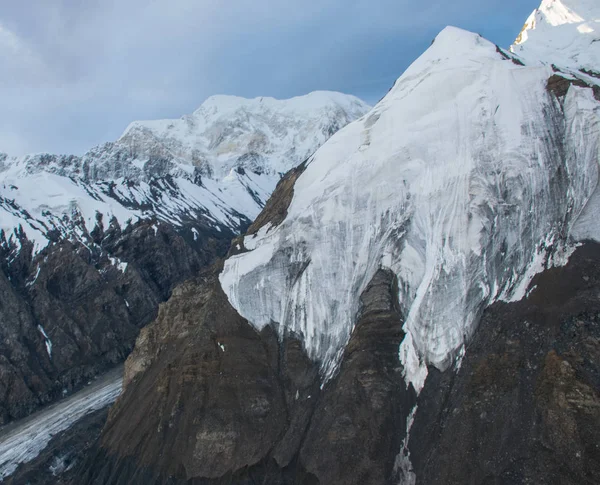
209	400
73	311
524	407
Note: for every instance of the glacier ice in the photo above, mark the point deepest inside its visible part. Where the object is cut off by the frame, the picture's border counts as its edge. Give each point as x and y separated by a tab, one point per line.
467	175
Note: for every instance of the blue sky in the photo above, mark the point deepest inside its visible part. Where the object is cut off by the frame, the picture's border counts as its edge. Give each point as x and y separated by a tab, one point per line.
74	73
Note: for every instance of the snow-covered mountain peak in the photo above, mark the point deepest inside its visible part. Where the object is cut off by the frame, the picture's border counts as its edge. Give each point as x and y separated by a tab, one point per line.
453	40
452	48
465	180
219	105
218	165
261	134
562	32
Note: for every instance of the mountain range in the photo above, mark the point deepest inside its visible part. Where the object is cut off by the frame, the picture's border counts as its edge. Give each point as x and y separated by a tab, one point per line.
417	302
90	245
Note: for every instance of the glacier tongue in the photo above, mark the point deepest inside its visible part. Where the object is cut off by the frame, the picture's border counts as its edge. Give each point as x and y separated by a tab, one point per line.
464	177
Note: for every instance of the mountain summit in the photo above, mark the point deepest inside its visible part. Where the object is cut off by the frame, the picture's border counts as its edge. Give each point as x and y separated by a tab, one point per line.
262	134
466	177
562	32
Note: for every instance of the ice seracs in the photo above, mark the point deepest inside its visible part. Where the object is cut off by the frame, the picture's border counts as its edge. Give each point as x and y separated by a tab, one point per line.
467	175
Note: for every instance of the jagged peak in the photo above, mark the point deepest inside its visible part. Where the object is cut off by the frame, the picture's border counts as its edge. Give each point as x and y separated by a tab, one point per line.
225	128
562	32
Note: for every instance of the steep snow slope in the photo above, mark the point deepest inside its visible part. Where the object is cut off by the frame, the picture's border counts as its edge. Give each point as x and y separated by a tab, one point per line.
217	166
465	180
563	32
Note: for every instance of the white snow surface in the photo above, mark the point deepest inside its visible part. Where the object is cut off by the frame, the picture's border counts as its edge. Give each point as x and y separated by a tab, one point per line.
47	340
465	180
563	32
222	162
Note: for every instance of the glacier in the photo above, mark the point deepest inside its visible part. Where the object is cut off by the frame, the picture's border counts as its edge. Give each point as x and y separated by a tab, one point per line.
23	441
465	180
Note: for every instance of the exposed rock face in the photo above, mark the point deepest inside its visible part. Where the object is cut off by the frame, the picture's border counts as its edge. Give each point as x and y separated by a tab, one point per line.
72	311
276	208
350	440
209	400
559	86
525	405
202	368
18	331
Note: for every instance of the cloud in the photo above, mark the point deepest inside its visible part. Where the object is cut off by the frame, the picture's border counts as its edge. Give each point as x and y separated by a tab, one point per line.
74	73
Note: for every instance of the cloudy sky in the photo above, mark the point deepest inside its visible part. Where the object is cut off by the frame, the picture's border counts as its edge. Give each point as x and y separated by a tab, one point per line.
74	73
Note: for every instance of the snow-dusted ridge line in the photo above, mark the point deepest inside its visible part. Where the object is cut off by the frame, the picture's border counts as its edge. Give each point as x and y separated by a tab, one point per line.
466	179
224	133
218	165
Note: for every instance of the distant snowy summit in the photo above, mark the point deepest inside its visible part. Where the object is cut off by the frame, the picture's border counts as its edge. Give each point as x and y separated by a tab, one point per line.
219	164
264	135
563	32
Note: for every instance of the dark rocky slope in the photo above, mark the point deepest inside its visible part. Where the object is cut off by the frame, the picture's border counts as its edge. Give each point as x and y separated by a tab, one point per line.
73	310
524	406
209	400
